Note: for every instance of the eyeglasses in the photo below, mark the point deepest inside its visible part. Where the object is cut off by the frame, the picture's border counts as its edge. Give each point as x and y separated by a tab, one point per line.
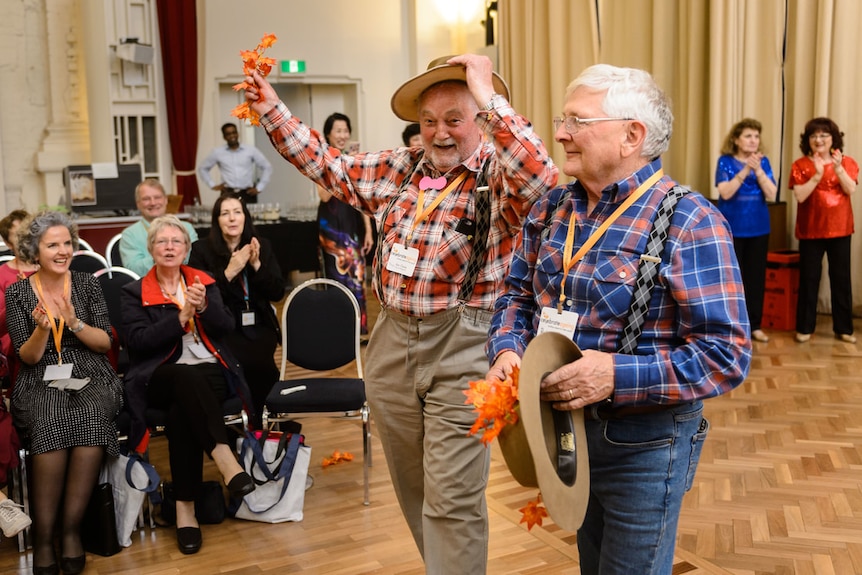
574	124
172	241
820	136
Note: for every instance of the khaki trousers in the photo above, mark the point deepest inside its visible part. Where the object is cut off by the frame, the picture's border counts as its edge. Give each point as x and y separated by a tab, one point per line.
417	371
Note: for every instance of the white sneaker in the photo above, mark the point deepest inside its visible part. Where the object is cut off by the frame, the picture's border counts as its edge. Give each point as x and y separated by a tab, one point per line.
12	519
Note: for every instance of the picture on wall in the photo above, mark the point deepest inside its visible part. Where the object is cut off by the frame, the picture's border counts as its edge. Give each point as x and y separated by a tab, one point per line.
82	188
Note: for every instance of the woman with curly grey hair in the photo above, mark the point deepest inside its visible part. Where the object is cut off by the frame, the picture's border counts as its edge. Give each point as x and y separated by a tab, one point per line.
58	322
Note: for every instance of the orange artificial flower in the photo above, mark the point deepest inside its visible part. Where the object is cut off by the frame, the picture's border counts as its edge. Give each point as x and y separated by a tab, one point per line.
533	513
337	457
253	61
495	403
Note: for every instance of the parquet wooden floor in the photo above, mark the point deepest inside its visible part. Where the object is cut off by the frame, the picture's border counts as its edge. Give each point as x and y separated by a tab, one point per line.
777	493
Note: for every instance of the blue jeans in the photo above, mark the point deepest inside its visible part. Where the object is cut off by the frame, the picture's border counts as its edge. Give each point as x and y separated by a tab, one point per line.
640	468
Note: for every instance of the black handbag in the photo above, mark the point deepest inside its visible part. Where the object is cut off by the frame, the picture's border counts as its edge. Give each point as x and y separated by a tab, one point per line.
209	505
99	528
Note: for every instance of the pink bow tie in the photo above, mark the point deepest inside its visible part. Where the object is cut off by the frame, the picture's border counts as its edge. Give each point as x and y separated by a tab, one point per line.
428	183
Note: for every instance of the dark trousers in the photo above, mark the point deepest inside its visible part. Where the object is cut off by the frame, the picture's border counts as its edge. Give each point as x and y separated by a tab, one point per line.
837	252
193	396
751	254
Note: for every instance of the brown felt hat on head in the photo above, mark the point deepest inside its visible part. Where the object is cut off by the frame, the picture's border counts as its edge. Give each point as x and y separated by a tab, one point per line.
531	446
405	100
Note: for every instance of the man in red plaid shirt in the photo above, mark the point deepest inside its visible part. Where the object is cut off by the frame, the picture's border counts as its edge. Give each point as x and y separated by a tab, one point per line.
467	189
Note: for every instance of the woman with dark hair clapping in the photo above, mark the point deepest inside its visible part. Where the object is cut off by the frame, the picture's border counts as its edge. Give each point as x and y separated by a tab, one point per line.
822	181
249	279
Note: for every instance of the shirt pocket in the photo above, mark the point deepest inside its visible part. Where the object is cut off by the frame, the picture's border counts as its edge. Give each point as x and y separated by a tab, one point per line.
451	254
612	288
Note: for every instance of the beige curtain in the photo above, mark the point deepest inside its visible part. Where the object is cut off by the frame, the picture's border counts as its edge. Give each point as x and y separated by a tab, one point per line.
718	60
543	46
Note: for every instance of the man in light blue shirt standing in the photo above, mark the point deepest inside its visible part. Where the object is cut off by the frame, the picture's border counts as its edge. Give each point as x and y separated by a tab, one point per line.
152	202
245	171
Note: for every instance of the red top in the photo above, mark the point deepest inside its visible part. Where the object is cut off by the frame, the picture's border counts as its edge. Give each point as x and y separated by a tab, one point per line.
827	212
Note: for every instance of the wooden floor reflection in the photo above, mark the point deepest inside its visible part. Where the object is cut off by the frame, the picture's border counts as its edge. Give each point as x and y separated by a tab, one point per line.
777	492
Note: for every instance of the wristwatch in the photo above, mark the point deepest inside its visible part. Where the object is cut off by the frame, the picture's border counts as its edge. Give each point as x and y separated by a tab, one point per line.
490	105
78	327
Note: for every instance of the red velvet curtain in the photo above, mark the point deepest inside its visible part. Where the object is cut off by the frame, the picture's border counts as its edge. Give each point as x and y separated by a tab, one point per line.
178	32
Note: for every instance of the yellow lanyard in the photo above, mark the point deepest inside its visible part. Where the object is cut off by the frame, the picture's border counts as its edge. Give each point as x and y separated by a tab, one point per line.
57	331
427	211
570	260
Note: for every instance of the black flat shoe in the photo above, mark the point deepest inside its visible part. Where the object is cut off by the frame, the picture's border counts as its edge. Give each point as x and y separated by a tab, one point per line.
73	565
48	570
189	539
240	485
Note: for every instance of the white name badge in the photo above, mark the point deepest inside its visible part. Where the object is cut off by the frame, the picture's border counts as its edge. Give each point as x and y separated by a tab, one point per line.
53	372
247	318
200	351
563	322
402	260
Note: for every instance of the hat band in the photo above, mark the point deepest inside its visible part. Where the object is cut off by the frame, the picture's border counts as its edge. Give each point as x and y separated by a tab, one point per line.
567	460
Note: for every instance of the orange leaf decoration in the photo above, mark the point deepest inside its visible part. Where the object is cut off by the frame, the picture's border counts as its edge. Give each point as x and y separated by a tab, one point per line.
533	513
337	457
253	61
495	403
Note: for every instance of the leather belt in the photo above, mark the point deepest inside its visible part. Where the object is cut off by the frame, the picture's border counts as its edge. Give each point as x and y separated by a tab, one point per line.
234	190
602	412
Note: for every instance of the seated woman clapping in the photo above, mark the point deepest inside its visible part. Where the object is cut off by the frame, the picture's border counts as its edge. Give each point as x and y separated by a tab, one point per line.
173	319
66	394
247	274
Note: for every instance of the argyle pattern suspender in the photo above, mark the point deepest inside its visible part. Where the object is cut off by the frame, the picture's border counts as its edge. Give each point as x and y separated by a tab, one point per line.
648	269
480	239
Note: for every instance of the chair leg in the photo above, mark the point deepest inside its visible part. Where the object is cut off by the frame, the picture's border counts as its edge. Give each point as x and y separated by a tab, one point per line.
366	450
19	493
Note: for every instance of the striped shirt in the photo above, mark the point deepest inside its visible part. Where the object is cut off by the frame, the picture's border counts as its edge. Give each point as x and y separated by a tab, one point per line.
695	343
518	170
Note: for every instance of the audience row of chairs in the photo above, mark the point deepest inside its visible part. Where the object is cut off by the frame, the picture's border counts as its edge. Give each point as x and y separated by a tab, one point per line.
320	332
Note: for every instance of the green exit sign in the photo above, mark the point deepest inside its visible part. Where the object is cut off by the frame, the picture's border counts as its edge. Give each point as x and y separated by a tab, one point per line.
292	66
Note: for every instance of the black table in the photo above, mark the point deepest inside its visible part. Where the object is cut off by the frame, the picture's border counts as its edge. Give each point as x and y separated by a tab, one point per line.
295	244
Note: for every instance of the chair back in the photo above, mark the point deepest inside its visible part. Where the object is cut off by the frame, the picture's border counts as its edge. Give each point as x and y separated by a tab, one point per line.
84	245
112	251
6	258
88	261
112	281
320	327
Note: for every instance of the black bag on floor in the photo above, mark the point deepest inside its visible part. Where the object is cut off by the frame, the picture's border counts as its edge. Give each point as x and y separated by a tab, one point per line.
209	505
99	528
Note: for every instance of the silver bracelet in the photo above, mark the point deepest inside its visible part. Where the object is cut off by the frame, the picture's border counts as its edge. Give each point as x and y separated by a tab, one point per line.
78	327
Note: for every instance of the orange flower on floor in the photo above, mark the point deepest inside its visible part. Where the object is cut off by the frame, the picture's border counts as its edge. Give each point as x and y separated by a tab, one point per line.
533	513
253	61
337	457
495	403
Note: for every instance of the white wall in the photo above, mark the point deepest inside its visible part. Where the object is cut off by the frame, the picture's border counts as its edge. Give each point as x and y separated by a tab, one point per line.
373	45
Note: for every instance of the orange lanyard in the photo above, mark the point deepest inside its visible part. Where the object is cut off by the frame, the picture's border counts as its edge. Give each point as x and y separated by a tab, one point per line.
570	260
427	211
57	331
179	304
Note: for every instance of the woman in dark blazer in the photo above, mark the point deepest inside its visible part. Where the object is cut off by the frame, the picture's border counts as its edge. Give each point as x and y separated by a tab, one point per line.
249	280
173	319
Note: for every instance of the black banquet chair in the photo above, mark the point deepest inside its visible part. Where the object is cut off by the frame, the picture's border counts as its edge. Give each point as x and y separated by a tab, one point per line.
112	281
320	333
88	261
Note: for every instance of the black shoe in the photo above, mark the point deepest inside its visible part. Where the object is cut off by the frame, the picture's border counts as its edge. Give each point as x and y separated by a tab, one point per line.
240	485
189	539
48	570
73	565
